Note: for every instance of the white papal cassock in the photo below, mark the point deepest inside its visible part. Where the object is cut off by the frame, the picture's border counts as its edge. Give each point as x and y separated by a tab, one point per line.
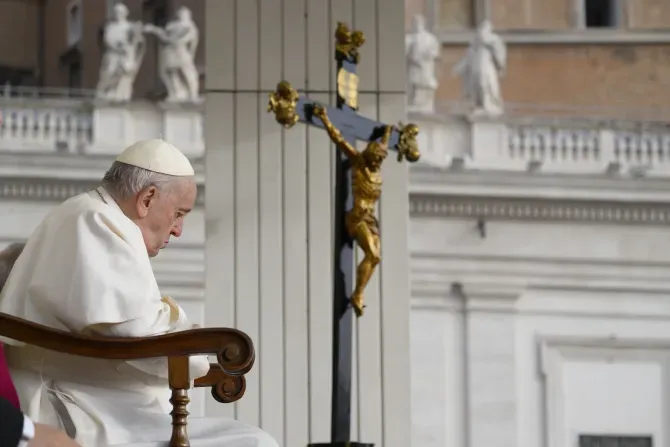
86	270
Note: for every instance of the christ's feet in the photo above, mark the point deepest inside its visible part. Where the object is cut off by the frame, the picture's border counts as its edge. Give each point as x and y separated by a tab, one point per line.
357	304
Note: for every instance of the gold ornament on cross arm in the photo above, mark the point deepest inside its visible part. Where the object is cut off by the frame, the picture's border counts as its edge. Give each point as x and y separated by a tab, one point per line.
407	146
283	103
348	42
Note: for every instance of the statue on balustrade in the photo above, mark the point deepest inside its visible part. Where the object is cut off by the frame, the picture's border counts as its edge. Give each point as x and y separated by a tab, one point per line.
422	49
125	46
481	68
179	42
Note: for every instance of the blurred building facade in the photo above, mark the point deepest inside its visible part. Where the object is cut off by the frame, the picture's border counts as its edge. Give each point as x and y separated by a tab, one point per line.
57	44
540	254
584	54
539	249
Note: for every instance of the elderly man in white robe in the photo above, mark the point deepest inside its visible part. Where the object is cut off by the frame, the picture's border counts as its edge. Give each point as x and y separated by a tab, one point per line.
86	269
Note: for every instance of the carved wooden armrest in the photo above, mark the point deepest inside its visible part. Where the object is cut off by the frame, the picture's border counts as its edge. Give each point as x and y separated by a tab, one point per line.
225	388
233	348
234	351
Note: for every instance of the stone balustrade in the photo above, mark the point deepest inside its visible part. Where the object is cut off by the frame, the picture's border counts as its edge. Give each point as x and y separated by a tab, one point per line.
514	142
553	145
85	126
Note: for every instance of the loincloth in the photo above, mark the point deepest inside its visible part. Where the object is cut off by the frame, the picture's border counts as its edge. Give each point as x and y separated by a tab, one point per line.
354	219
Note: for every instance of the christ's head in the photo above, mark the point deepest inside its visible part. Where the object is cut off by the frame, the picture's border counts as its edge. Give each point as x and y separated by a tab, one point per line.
375	154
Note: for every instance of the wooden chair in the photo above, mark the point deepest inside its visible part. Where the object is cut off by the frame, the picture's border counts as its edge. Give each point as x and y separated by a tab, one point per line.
234	351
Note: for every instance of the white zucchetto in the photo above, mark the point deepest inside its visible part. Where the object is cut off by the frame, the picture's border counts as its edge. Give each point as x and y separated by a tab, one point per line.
157	156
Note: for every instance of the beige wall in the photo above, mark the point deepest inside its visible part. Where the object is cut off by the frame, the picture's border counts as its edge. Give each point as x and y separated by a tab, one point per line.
618	74
18	24
531	14
607	75
19	39
269	217
648	14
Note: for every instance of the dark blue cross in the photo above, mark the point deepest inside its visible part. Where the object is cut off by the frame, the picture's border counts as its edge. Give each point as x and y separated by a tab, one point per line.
353	127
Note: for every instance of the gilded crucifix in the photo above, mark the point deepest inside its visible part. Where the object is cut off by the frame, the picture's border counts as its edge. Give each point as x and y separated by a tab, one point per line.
344	126
358	188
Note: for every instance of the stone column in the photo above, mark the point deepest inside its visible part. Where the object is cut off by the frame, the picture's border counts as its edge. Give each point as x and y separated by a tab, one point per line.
490	323
269	197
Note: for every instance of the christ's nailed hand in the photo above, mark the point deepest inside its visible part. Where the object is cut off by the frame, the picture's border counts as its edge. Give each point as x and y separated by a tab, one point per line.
319	111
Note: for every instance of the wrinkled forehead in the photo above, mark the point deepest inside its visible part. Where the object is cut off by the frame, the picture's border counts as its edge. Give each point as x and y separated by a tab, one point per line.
183	192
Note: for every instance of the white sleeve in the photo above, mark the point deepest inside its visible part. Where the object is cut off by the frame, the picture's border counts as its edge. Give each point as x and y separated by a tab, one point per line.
170	318
116	293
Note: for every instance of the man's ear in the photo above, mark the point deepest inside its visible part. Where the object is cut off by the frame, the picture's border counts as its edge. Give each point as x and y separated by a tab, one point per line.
145	200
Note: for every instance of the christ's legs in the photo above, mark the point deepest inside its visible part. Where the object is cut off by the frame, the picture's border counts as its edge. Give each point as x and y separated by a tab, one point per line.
370	244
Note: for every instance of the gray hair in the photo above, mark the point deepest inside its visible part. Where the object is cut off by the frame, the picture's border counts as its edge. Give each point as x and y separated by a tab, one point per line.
123	180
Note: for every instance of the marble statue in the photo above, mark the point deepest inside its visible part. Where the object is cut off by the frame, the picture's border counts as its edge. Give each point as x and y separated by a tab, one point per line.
422	49
481	68
125	46
176	65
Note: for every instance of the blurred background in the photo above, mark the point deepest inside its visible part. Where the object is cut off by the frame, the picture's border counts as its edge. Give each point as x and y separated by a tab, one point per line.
539	249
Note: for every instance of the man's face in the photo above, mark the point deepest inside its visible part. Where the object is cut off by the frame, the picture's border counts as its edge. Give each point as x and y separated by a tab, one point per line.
161	213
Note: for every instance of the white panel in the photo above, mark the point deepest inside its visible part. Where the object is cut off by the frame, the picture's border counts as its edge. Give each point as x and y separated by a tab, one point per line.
296	372
615	397
394	213
246	239
592	331
391	47
320	217
365	19
430	343
368	328
220	220
394	275
270	349
319	47
246	39
219	43
491	379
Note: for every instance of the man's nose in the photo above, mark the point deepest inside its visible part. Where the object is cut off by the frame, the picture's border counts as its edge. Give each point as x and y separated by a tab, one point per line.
176	230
